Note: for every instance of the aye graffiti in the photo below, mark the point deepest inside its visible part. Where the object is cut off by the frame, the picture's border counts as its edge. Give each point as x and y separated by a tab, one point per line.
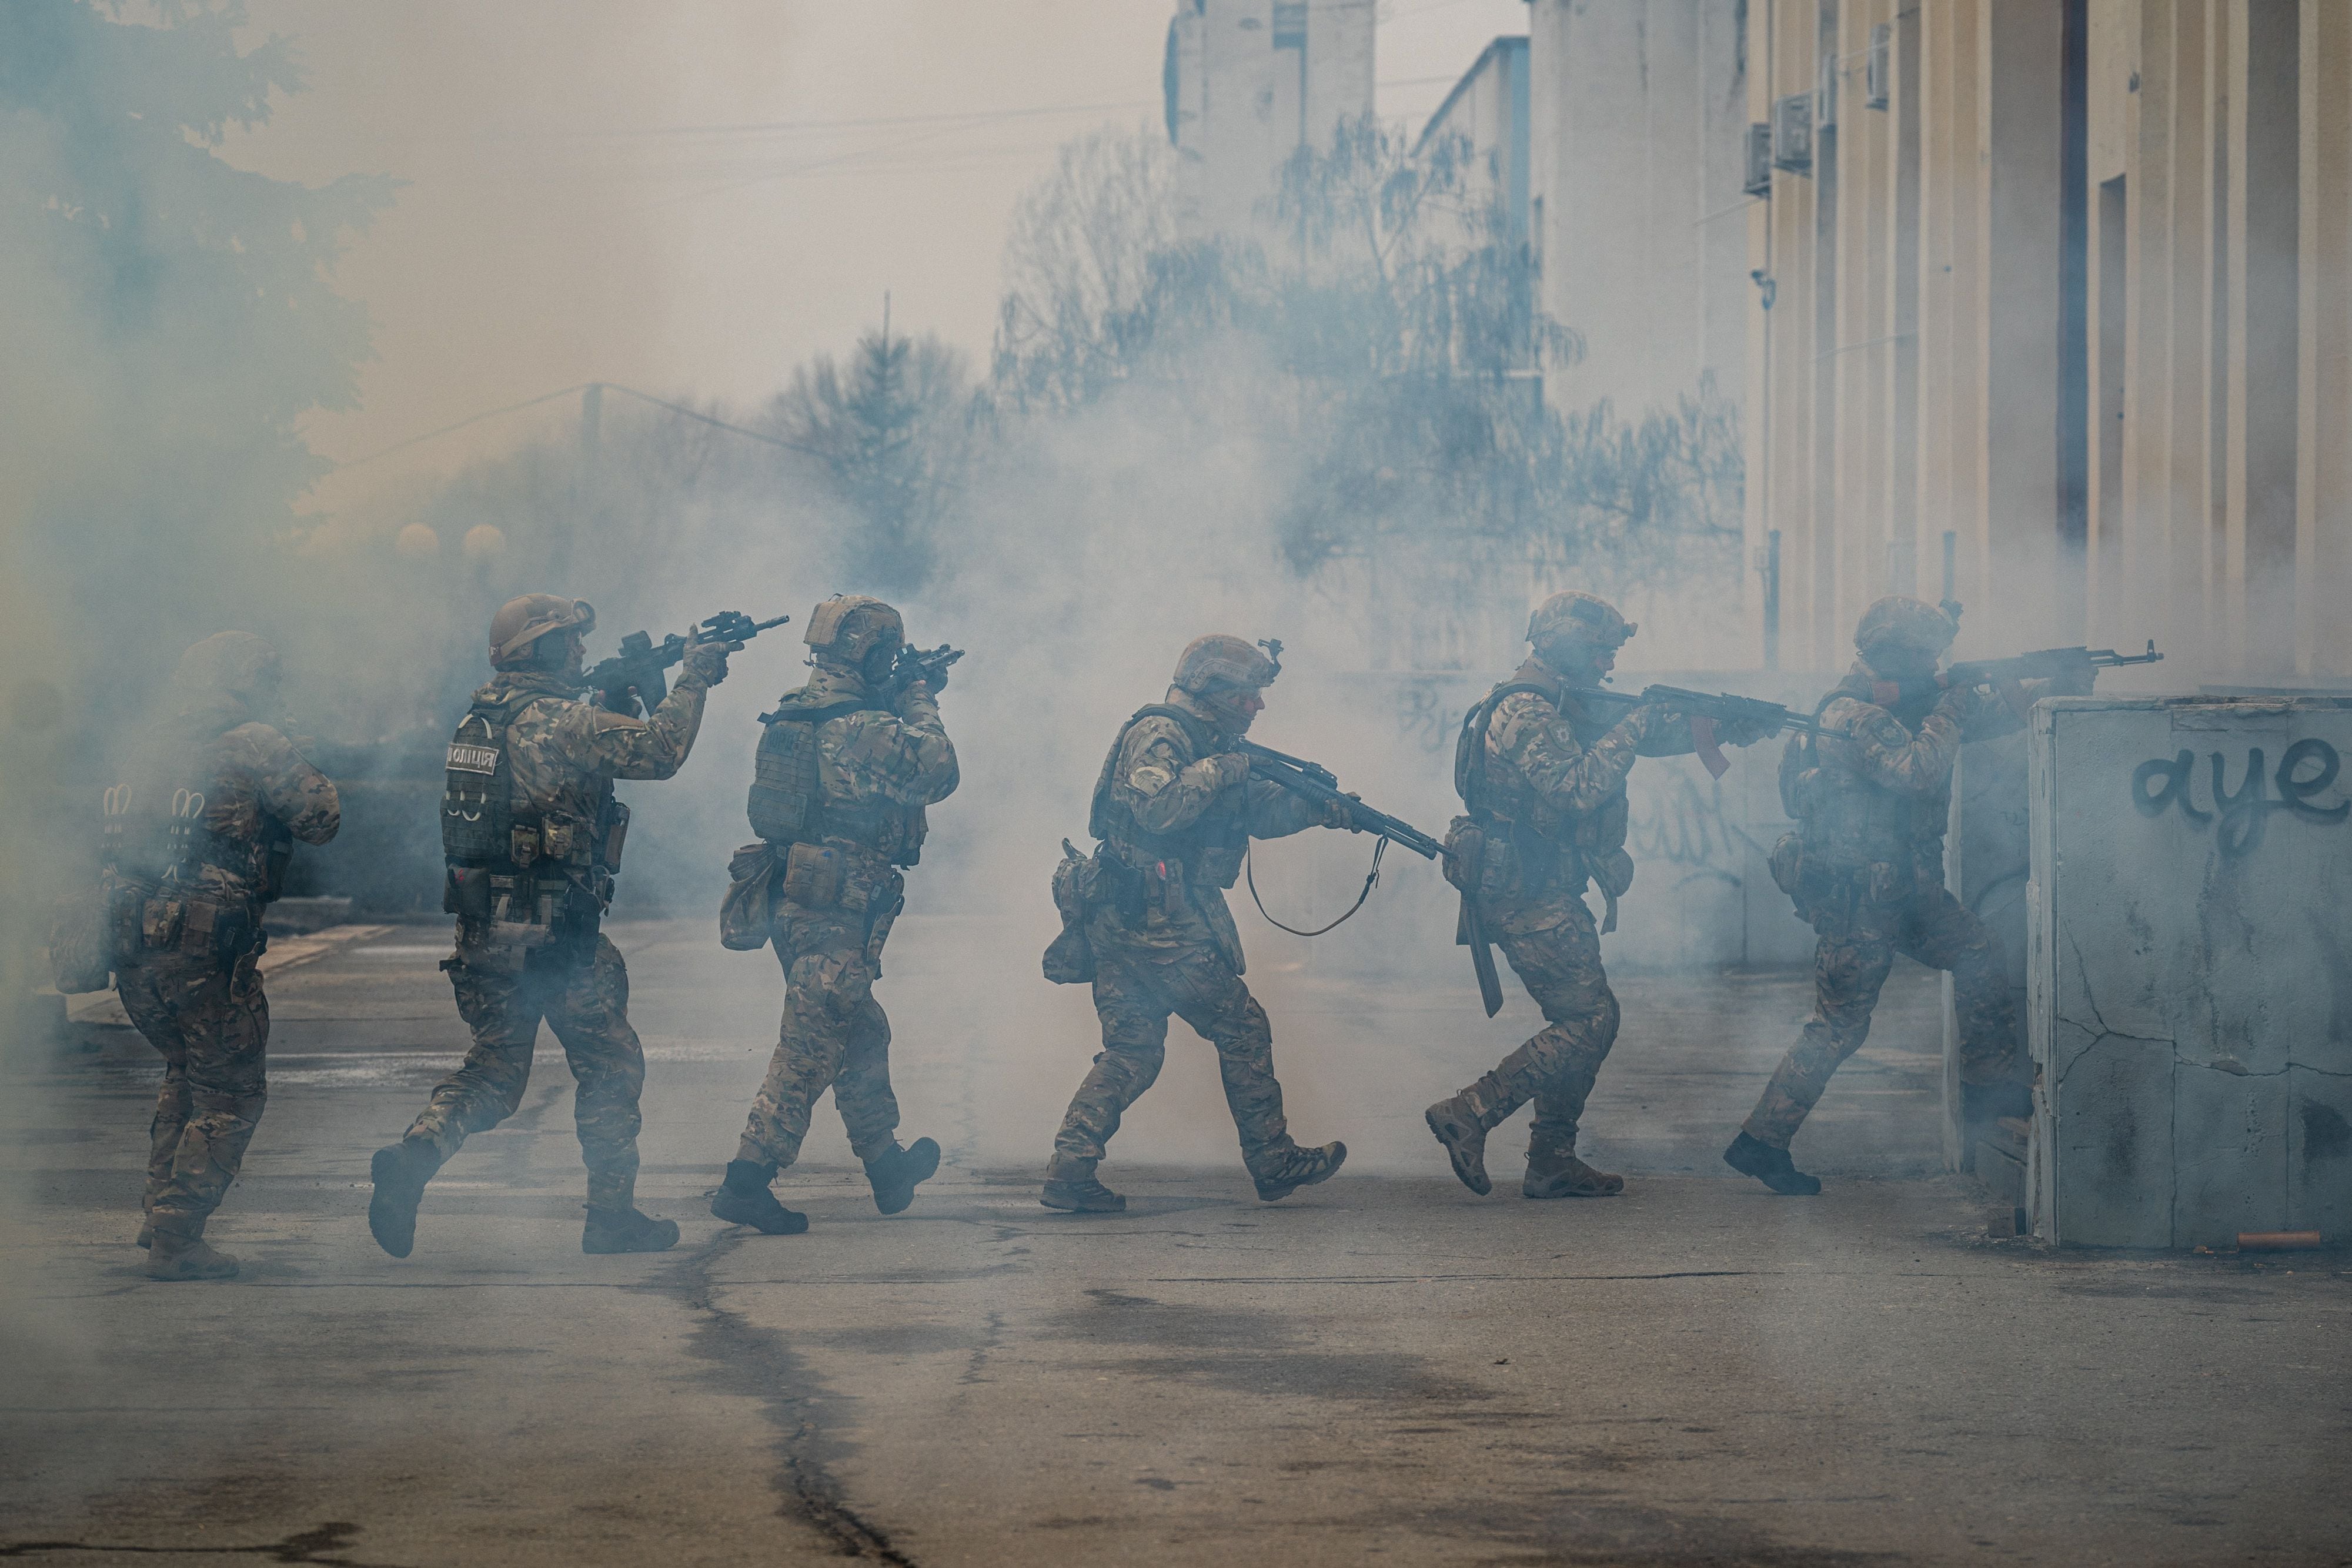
2241	818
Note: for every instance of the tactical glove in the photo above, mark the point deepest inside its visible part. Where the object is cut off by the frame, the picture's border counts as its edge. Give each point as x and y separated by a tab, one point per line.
707	661
1233	769
1340	813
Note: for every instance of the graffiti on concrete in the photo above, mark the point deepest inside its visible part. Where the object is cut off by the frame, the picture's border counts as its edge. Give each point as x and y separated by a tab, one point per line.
2307	768
1681	824
1424	717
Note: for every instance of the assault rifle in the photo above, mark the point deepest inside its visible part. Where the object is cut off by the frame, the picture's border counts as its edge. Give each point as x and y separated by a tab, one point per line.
2043	665
640	662
2006	675
929	665
1312	782
1705	710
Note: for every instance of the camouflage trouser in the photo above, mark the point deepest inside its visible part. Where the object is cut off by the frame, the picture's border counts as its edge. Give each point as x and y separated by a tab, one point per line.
1939	931
834	1035
212	1025
1560	967
1133	998
587	1005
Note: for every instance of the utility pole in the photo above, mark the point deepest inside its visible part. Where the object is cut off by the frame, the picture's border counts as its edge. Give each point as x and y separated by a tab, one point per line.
592	420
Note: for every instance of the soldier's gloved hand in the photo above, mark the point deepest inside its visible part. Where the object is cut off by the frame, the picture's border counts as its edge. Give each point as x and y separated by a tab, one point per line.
1233	769
1338	813
1745	731
1956	704
707	661
916	696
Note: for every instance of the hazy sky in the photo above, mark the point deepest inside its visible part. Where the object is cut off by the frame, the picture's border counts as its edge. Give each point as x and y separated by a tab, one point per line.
693	196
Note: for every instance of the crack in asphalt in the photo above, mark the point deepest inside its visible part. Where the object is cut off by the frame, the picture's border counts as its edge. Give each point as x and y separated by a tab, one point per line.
302	1546
794	1401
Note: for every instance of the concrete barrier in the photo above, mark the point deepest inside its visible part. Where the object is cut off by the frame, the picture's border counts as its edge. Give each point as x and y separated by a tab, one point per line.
2189	999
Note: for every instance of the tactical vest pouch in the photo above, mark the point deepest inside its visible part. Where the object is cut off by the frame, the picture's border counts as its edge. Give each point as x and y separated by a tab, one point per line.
466	893
1070	958
813	877
159	923
1788	866
747	910
1465	855
1613	872
783	781
615	835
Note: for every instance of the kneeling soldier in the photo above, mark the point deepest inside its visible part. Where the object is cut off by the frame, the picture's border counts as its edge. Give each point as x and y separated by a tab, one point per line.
1175	808
846	764
532	835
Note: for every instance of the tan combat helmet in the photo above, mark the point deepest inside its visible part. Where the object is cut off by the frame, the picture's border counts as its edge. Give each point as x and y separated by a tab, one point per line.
234	662
848	626
1218	663
516	629
1905	622
1584	616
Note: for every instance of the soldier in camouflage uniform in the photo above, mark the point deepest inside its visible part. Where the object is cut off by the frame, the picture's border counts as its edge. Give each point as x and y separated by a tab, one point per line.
1866	869
198	838
532	768
845	767
1543	778
1175	808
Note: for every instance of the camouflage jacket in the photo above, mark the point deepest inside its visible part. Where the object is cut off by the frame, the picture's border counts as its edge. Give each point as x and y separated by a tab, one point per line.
1553	794
1168	814
1876	789
875	769
256	793
564	753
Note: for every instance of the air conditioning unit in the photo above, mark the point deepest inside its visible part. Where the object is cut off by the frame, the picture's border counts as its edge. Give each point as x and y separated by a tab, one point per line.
1792	133
1878	78
1760	161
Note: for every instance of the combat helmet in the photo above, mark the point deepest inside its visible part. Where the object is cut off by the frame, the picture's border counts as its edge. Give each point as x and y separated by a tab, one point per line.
1217	663
1905	622
516	629
1588	616
237	663
848	626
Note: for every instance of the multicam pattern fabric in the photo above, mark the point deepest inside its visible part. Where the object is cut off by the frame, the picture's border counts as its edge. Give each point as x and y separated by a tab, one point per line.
1940	932
587	1005
834	1035
210	1022
1557	776
877	770
1560	967
563	754
204	1013
1874	800
1172	803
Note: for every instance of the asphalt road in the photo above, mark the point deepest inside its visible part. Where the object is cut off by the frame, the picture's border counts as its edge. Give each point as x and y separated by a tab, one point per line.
1382	1368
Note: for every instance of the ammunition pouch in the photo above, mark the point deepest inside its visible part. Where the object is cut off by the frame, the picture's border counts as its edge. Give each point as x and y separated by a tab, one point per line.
814	876
747	910
1070	958
1466	855
197	927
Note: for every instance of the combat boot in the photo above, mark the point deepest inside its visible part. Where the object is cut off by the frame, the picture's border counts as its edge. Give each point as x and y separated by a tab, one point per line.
181	1252
400	1172
1554	1171
894	1173
1294	1167
626	1231
1752	1156
743	1198
1460	1125
146	1236
1070	1184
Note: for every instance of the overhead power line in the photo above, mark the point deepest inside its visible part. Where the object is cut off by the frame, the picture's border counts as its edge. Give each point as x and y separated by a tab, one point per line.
663	402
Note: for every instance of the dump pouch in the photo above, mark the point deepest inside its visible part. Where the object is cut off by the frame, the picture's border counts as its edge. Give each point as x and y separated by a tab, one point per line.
747	910
813	877
1069	957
